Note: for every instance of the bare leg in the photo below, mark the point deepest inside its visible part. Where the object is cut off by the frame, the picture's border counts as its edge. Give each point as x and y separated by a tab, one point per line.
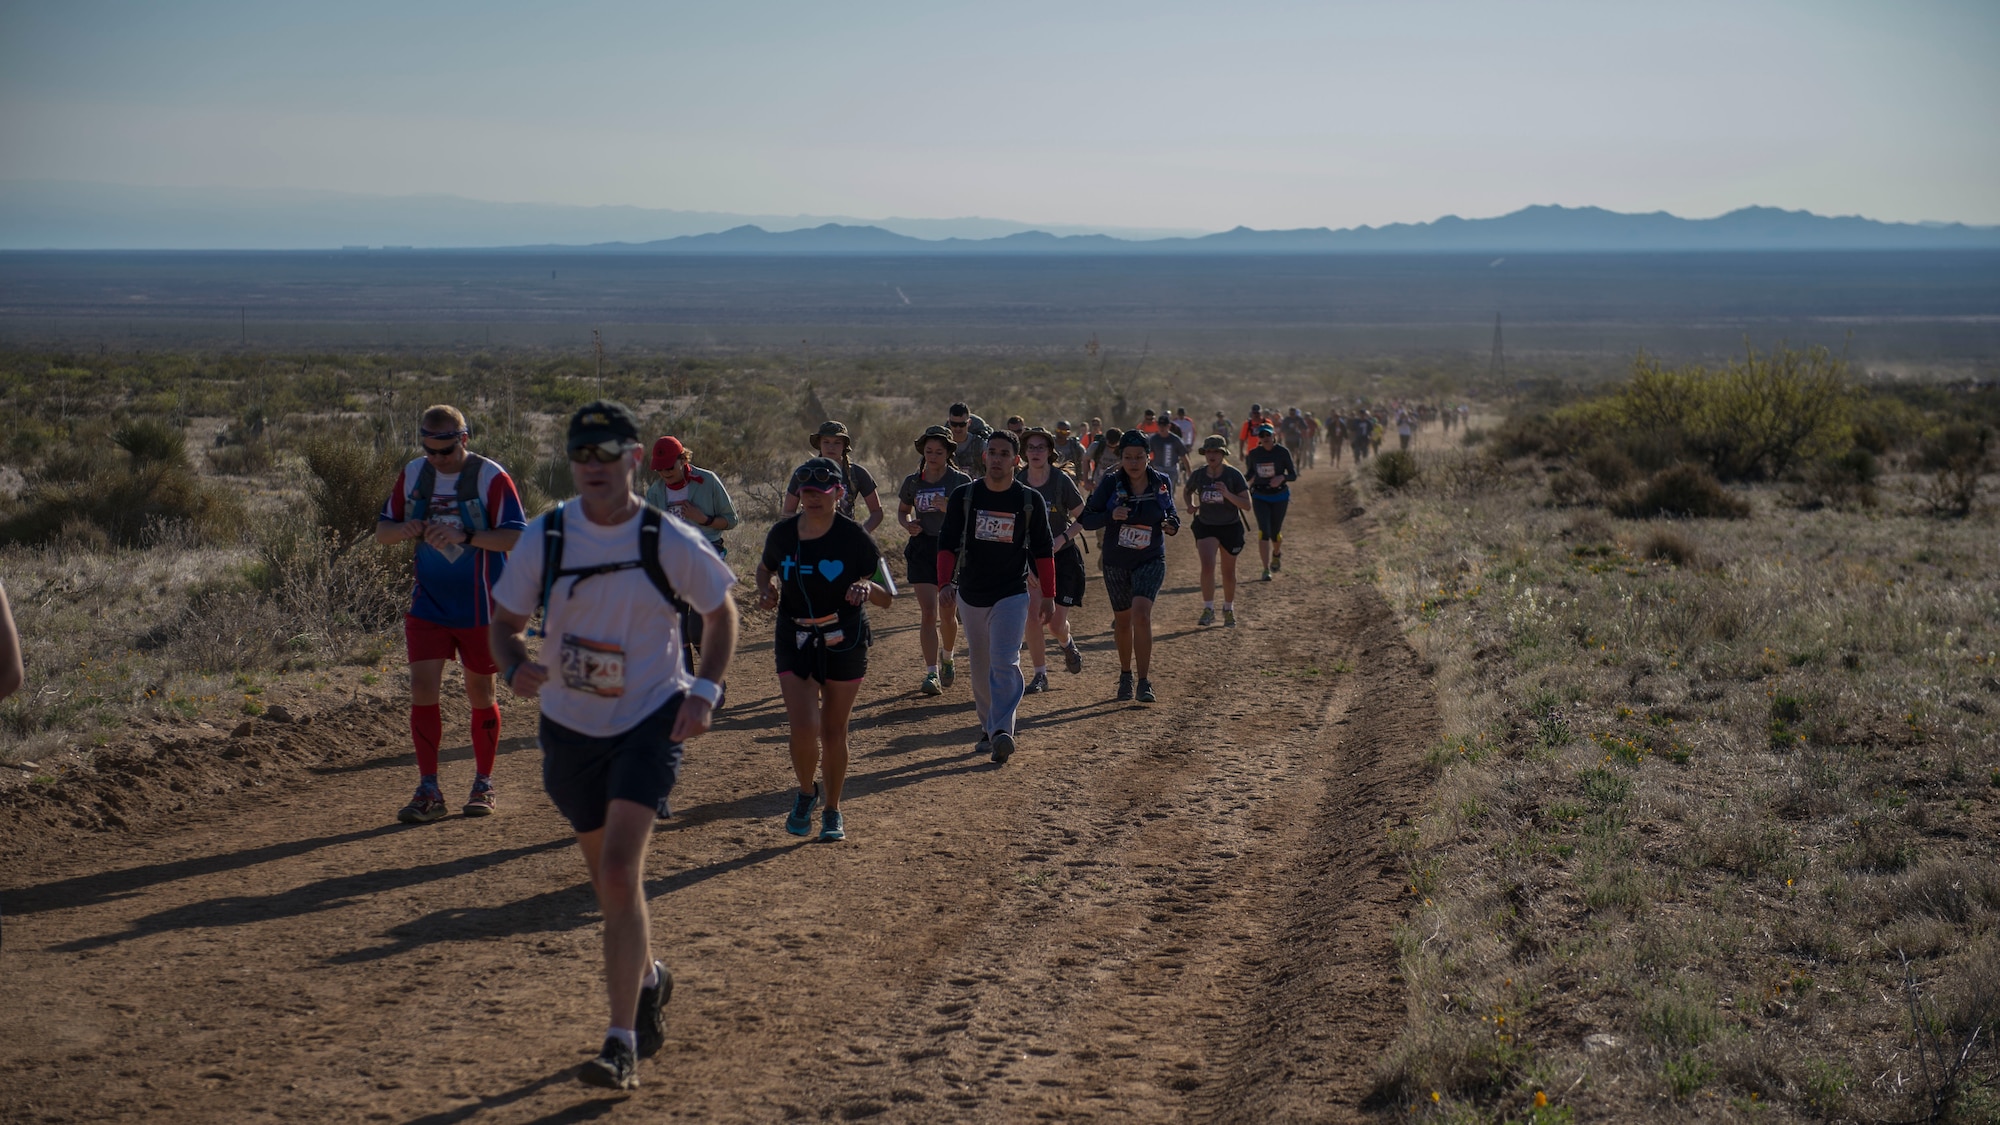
1037	650
927	632
1207	548
836	707
1140	623
1121	627
802	714
616	857
1228	563
427	683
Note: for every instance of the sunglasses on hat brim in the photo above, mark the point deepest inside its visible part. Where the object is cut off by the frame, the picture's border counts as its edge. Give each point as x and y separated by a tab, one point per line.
819	480
601	452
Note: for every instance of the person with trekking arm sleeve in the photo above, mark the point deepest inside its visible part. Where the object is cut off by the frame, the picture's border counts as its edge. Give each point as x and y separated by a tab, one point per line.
1134	508
1064	502
920	505
995	533
618	704
464	514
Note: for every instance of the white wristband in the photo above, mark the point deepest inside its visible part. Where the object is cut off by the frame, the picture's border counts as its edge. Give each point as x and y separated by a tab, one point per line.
707	691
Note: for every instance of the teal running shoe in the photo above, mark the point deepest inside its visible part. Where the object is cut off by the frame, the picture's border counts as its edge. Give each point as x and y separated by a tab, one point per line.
800	823
832	826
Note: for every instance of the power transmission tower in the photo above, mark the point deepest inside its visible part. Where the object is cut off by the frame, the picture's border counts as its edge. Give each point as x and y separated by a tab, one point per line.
597	343
1496	368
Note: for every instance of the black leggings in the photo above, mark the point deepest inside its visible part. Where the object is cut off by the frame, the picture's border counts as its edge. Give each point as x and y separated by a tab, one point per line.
1270	517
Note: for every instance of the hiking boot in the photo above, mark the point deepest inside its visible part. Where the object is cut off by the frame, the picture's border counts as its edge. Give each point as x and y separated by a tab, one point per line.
1072	657
1145	691
653	1011
947	672
1229	618
832	826
800	823
930	686
1038	685
1003	748
480	803
614	1068
426	806
1207	616
1124	687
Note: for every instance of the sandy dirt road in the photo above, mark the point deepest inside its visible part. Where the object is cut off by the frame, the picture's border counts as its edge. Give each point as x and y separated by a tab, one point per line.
1158	913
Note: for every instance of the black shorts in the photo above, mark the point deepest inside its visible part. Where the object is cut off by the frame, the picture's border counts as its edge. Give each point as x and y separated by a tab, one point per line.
1270	516
1230	534
583	774
846	659
1121	585
920	559
1070	577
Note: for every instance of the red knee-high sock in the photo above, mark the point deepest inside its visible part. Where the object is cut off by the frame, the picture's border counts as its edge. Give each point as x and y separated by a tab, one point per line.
485	739
426	731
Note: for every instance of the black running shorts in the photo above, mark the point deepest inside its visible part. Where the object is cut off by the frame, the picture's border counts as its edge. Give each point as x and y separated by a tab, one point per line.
583	774
1070	577
1230	534
920	559
815	660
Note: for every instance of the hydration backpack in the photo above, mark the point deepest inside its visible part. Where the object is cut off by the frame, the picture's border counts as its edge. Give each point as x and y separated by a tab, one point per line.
648	560
466	495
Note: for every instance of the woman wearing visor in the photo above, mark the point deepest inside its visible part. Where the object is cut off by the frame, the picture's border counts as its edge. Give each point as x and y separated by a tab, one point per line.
818	570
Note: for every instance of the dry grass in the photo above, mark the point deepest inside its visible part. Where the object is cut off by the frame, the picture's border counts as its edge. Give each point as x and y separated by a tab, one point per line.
1703	787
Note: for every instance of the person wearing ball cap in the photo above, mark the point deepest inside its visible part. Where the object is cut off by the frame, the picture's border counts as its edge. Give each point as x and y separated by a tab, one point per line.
1134	507
1270	470
687	493
833	442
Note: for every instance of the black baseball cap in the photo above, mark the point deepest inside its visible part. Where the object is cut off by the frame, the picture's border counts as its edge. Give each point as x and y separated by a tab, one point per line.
602	421
1133	439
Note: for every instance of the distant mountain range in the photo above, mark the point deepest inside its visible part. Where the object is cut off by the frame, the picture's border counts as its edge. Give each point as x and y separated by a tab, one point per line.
79	216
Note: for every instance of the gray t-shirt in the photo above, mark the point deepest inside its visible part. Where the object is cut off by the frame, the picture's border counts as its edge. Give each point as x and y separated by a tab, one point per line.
1205	495
1168	449
1062	496
928	498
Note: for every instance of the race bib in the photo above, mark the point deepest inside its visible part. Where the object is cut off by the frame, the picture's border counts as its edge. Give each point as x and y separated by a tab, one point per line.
1266	470
678	510
593	667
1212	494
833	637
931	500
994	527
1135	537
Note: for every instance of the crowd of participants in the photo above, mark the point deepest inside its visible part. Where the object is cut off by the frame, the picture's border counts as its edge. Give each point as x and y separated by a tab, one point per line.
630	597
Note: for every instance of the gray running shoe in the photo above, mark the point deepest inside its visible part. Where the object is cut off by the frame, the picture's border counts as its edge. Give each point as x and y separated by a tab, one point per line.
947	672
426	806
931	686
1003	748
1124	687
1145	691
1039	684
1207	616
614	1068
653	1011
1072	657
1229	618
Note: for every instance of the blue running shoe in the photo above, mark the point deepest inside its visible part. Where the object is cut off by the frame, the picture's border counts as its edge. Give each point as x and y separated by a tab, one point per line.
800	823
832	826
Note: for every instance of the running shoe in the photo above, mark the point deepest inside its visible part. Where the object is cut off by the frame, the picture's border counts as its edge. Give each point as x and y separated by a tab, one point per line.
1145	691
426	806
800	823
930	686
1072	657
653	1011
985	743
947	672
480	803
614	1068
1207	616
1003	748
1267	574
1124	686
1229	618
832	826
1277	561
1039	684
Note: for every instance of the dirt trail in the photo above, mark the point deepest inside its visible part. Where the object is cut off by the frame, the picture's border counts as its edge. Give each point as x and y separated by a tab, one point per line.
1181	911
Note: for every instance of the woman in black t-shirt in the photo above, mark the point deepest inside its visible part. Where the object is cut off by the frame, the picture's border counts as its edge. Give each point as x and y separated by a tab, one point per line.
1060	493
818	570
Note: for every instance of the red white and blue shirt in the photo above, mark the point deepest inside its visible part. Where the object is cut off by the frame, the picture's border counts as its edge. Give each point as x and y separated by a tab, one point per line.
454	586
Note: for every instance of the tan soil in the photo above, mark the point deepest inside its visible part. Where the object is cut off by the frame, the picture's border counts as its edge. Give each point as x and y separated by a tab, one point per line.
1151	913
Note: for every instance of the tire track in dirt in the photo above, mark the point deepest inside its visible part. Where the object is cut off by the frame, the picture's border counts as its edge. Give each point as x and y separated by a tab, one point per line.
1151	913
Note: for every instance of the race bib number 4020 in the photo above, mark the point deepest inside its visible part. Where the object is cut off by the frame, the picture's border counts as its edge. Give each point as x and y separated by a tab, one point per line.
1135	537
593	667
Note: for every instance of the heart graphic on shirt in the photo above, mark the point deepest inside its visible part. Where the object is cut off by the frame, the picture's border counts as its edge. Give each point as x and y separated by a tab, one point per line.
830	569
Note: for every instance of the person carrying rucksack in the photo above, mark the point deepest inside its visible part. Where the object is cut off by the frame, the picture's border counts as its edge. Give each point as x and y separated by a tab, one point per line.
618	705
465	514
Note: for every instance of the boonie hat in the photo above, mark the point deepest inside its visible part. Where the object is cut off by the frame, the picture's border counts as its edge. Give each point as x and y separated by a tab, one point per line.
601	421
937	433
1214	442
827	430
667	452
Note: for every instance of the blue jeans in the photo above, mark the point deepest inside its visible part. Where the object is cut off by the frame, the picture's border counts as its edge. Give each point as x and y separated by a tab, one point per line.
994	635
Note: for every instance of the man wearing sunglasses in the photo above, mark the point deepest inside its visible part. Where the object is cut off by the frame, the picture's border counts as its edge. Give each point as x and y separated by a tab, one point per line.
465	515
969	431
617	702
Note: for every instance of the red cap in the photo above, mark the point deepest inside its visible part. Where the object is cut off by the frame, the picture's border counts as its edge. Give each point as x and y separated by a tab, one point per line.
667	452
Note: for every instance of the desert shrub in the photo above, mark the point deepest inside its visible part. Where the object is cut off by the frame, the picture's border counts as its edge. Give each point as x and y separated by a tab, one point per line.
1755	419
1612	467
550	476
1473	436
149	441
1532	435
1569	488
323	586
1671	546
240	460
1396	468
1847	481
126	504
1681	492
349	479
1954	458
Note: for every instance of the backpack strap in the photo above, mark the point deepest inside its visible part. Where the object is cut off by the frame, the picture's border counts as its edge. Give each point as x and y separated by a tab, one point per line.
427	482
649	553
552	552
648	560
465	494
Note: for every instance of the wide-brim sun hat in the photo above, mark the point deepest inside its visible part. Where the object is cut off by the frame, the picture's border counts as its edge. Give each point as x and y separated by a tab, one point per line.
1213	443
937	433
827	430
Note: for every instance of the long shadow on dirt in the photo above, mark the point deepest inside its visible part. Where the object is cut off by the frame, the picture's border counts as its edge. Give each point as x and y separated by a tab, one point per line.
584	1111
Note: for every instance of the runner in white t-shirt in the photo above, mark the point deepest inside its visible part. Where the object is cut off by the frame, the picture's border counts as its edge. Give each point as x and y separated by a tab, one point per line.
617	701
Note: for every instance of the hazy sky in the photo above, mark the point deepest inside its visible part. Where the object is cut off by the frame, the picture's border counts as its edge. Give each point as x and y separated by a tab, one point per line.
1148	113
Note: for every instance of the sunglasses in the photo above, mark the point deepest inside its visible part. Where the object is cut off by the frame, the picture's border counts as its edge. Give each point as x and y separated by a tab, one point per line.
824	478
601	452
434	451
958	425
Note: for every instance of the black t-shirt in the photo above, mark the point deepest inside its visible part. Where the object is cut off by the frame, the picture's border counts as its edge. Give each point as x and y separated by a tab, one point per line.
814	574
996	534
1209	506
1270	471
